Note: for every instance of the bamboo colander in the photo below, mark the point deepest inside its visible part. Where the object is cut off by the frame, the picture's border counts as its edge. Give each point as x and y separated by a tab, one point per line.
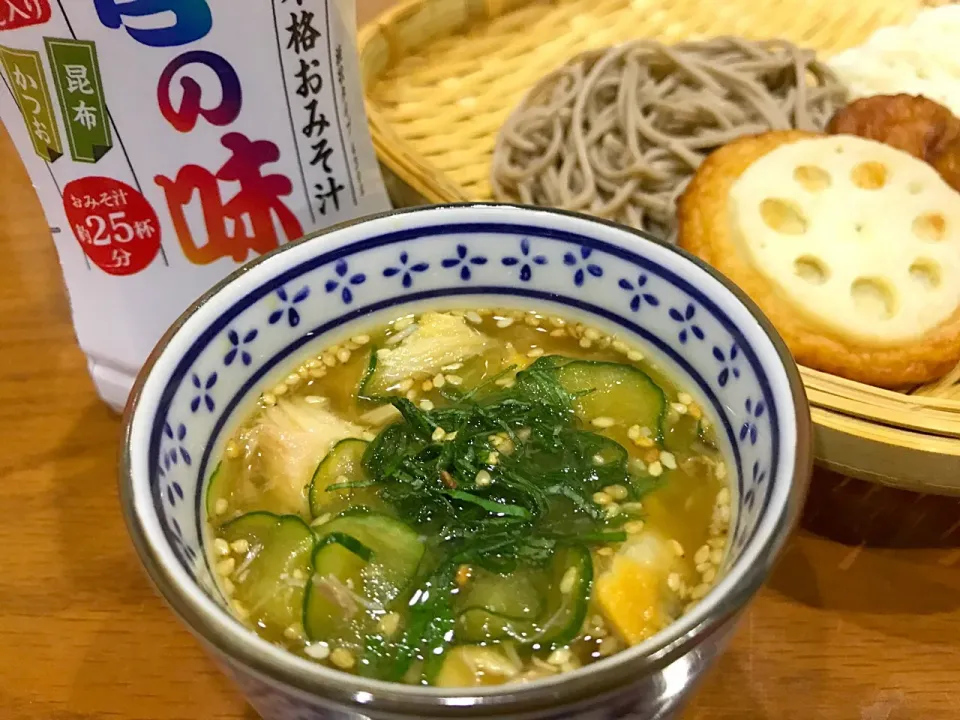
441	77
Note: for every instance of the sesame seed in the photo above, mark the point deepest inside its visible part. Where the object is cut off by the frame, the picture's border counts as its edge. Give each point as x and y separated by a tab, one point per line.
532	320
694	411
343	355
568	580
633	526
493	458
668	460
634	356
558	322
297	574
426	405
221	547
232	450
452	367
316	400
504	322
318	651
723	497
318	373
450	436
473	317
634	508
439	380
227	566
673	581
240	546
709	575
621	347
602	498
677	548
325	518
702	555
483	479
605	552
329	359
633	432
342	658
611	510
643	442
220	507
303	372
280	389
685	398
360	339
591	334
269	399
405	385
291	633
699	591
454	379
389	623
311	363
427	386
504	382
438	434
227	587
725	513
598	459
559	332
717	543
411	395
617	492
680	408
585	342
292	380
603	422
536	352
716	556
655	469
403	323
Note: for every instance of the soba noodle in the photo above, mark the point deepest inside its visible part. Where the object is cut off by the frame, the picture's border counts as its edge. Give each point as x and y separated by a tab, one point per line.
618	133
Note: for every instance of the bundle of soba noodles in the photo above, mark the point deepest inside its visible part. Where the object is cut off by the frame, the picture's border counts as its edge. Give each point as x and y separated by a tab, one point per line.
618	133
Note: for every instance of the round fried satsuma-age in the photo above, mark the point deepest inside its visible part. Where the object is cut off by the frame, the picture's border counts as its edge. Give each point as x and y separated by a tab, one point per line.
706	229
915	124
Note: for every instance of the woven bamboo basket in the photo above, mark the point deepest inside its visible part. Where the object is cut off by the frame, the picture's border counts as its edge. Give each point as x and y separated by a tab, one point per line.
441	77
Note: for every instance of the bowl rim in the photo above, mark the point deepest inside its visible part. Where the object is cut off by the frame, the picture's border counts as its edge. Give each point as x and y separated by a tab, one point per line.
507	700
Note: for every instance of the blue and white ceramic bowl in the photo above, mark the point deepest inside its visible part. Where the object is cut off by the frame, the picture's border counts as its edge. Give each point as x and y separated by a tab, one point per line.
248	331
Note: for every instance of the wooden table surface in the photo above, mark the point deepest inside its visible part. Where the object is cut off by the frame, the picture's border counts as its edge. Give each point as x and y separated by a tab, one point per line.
860	620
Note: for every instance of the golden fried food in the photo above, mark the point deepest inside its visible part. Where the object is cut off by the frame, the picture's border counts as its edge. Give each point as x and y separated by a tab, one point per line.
849	246
915	124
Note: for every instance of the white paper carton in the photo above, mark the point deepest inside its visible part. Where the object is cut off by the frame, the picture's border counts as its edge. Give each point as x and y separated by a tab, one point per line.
170	141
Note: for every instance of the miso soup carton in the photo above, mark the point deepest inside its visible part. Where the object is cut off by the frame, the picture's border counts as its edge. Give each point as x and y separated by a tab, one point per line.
171	141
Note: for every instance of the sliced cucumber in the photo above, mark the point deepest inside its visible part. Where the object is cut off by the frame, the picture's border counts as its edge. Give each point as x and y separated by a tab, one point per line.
570	578
215	491
270	578
621	392
396	549
344	463
331	612
514	595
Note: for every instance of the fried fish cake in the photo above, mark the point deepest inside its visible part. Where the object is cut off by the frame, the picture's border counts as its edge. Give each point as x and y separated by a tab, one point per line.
915	124
849	246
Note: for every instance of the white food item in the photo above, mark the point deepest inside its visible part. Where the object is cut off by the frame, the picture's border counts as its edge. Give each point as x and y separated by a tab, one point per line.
919	59
861	237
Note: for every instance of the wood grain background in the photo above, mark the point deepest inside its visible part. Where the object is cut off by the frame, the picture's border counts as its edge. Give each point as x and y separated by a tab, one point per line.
860	620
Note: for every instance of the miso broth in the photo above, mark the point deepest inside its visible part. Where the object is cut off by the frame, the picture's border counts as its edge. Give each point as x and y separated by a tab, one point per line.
469	498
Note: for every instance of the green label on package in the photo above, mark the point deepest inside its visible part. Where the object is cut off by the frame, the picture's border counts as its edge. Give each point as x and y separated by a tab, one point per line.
76	75
25	74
